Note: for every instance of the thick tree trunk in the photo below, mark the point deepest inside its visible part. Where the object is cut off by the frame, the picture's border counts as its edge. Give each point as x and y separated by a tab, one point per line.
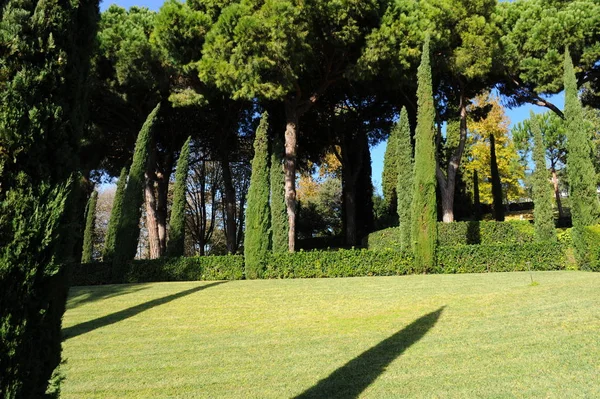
557	193
230	207
291	132
447	181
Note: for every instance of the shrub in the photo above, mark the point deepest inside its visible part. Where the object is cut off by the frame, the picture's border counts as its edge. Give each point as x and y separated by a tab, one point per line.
197	268
342	263
501	258
591	258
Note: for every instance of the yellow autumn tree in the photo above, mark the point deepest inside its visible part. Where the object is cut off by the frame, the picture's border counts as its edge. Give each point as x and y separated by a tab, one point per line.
477	154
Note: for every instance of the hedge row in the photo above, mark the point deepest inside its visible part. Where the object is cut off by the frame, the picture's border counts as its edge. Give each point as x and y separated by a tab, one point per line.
591	238
501	258
462	233
227	267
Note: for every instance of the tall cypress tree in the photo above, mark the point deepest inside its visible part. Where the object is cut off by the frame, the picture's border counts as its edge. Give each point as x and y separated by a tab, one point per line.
176	243
116	213
44	64
424	206
87	255
496	183
389	175
543	216
279	217
258	213
128	232
585	208
405	178
476	200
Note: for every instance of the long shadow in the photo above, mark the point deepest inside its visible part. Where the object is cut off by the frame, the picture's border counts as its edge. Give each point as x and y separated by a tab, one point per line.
355	376
86	327
81	295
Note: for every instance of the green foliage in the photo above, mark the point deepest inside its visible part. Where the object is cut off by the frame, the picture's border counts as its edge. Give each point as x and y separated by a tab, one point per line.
195	268
591	256
391	168
116	215
341	263
497	196
424	206
88	234
126	238
279	217
462	233
585	207
542	190
175	245
501	258
258	213
405	179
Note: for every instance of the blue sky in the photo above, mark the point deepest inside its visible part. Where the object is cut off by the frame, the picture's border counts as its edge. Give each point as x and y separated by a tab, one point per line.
516	115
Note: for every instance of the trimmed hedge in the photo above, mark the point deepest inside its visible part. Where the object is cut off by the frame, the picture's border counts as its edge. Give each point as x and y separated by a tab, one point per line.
501	258
341	263
462	233
591	239
197	268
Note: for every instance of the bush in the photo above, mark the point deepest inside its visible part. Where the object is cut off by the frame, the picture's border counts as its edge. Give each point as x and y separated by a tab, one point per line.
591	258
197	268
501	257
462	233
342	263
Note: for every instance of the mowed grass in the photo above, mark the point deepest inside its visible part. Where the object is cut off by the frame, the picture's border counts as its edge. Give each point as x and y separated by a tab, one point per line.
434	336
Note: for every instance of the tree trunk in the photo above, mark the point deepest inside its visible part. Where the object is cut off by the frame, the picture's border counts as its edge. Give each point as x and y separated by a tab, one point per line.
291	132
447	181
353	159
557	193
230	207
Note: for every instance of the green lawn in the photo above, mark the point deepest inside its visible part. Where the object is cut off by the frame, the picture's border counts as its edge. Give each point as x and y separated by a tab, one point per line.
435	336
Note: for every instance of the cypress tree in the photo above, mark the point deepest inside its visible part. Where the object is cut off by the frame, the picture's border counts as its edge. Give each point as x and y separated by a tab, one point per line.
389	175
542	188
258	213
44	64
424	206
279	218
585	208
476	200
87	255
116	214
405	181
496	183
128	233
176	243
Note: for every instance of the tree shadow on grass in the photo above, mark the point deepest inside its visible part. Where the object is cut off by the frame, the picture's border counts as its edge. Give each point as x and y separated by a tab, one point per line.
81	295
85	327
355	376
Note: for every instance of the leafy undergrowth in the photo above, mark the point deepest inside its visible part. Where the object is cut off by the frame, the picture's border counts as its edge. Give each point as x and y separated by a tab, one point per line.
444	336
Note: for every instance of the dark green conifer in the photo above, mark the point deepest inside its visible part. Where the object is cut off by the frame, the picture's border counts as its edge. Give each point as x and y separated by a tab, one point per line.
424	204
279	217
585	208
176	243
258	213
476	200
128	232
116	213
405	177
497	197
87	255
389	176
543	216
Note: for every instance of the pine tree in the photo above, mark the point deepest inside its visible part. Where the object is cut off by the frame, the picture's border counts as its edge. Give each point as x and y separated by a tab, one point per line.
543	216
128	233
496	183
88	234
116	214
389	176
405	178
258	213
176	243
585	208
424	206
279	217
